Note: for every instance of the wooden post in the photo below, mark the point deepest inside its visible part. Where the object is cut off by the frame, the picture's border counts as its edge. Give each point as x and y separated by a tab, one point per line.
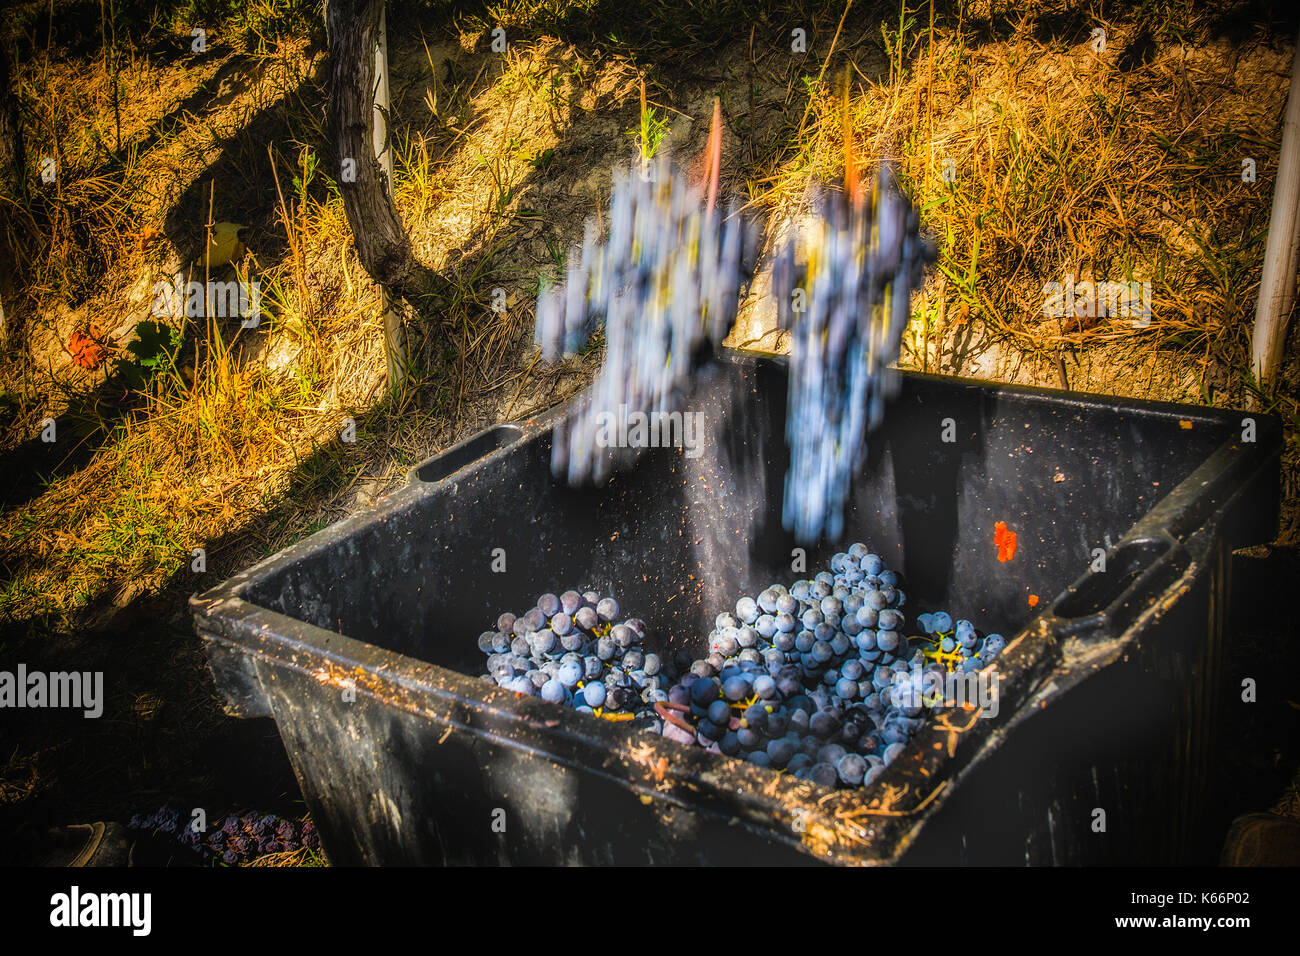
13	159
358	78
394	334
1277	283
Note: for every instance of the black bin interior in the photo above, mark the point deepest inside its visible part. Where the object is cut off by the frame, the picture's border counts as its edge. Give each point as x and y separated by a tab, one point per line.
679	538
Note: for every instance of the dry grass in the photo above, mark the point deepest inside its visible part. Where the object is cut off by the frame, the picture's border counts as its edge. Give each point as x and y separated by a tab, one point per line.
213	433
1066	163
303	856
238	430
1115	165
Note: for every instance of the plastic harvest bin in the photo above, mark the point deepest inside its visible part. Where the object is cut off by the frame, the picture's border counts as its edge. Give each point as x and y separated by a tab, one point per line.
360	641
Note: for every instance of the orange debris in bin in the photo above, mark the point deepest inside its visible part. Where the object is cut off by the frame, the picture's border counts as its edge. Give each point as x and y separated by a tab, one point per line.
1005	541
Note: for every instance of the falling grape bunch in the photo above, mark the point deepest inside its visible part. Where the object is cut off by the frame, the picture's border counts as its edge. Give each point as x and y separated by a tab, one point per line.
845	303
666	281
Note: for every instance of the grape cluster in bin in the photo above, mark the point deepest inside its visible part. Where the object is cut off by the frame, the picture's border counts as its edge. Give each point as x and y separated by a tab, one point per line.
817	679
573	649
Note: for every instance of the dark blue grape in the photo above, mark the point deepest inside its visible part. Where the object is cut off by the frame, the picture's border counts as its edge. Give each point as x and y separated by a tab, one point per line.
624	637
705	691
825	722
703	669
851	768
726	645
799	762
823	774
889	620
594	693
780	752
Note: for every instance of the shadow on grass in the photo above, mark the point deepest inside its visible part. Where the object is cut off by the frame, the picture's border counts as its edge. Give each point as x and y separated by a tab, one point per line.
163	737
27	469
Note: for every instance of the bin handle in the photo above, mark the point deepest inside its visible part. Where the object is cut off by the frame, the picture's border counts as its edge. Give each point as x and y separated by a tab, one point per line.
1102	604
460	456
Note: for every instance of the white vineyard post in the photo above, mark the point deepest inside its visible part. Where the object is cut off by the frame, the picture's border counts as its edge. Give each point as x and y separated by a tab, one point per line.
394	335
1277	282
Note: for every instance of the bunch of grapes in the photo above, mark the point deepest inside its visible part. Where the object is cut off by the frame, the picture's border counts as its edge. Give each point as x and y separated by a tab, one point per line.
818	679
236	839
957	646
574	650
165	820
666	281
845	301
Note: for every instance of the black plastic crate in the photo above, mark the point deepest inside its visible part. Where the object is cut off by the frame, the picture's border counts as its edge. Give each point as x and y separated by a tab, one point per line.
1108	685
